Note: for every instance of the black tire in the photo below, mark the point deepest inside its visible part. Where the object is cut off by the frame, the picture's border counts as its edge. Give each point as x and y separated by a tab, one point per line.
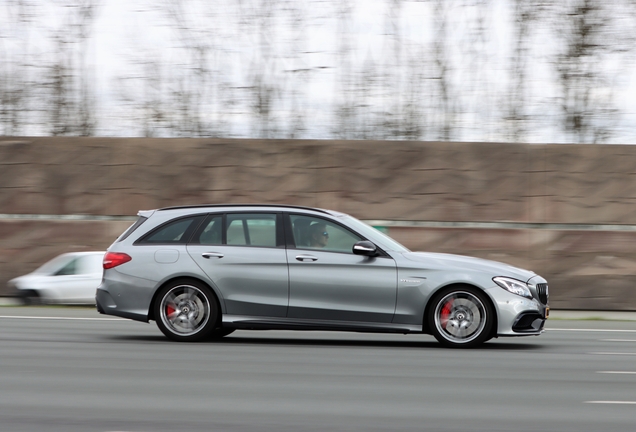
30	298
461	317
186	311
220	332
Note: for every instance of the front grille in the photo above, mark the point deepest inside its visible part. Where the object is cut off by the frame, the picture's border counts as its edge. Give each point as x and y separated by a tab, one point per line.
542	291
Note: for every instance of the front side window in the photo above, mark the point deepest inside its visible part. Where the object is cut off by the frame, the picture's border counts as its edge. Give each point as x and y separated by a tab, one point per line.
251	230
69	269
317	233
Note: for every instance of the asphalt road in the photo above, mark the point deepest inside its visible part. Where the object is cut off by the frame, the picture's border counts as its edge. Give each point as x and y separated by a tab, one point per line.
70	369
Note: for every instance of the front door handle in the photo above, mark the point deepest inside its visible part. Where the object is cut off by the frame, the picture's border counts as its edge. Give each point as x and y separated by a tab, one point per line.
306	258
209	255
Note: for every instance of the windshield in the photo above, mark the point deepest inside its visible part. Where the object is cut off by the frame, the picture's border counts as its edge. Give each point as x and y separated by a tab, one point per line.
54	265
376	236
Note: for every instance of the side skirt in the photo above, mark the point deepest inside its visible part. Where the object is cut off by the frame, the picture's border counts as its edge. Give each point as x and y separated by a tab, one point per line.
270	323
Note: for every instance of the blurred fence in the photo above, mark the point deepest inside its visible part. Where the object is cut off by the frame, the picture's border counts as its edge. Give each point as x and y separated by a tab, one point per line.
564	211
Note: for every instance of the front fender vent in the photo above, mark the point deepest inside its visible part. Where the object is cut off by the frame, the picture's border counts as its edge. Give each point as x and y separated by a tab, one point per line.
529	322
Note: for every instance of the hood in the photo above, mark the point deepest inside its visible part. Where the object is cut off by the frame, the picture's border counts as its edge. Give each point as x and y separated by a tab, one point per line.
449	261
26	281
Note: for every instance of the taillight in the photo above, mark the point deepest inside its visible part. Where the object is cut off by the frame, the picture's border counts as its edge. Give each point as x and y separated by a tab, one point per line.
114	259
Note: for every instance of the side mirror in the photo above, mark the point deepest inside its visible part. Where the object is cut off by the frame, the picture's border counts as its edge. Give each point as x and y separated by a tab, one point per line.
365	248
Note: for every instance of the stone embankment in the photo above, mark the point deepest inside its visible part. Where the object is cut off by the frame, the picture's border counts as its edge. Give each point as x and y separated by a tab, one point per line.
564	211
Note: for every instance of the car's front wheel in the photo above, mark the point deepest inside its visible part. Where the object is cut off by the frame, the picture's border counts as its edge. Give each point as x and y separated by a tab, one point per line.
220	332
186	311
461	317
30	297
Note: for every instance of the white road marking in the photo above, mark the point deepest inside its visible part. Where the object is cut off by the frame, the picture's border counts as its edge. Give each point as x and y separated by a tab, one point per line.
614	353
617	372
612	402
617	340
63	318
593	330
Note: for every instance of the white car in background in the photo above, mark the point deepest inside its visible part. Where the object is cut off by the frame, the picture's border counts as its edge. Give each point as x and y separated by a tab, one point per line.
70	278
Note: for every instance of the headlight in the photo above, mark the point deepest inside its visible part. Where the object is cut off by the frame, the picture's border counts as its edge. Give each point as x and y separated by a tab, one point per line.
514	286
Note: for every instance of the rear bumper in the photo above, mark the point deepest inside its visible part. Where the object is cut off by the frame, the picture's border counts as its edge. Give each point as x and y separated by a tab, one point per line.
106	305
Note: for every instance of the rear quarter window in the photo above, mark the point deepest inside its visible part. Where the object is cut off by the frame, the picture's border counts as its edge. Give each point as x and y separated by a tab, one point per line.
174	232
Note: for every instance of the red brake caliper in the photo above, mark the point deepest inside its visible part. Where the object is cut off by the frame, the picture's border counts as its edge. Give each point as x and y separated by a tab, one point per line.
169	310
445	312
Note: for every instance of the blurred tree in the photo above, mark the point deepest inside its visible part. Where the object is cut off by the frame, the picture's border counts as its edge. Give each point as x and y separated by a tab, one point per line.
445	100
414	122
345	107
69	83
525	17
299	72
587	38
475	94
390	122
154	117
397	69
144	97
264	83
367	119
15	69
191	81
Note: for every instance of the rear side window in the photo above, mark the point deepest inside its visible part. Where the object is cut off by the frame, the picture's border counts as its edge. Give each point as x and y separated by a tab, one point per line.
212	232
251	230
132	228
174	232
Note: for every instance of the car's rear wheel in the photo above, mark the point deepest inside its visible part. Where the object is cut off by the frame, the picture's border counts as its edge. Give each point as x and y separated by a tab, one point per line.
461	317
186	311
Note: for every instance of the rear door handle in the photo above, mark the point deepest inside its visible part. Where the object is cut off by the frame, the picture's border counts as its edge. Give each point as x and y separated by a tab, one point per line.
306	258
209	255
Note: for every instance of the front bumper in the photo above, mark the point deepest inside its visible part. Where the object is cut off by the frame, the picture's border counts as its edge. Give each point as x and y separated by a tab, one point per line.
518	316
529	322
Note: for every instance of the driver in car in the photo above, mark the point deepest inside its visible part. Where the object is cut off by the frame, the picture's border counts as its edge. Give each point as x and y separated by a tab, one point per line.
318	235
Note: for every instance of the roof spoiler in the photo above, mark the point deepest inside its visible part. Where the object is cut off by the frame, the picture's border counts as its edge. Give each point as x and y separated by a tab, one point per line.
145	213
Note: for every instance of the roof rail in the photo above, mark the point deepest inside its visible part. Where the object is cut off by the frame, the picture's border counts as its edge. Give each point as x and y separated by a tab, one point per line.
244	205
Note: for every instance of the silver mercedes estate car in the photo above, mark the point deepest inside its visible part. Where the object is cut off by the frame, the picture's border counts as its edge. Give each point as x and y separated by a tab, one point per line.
202	272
